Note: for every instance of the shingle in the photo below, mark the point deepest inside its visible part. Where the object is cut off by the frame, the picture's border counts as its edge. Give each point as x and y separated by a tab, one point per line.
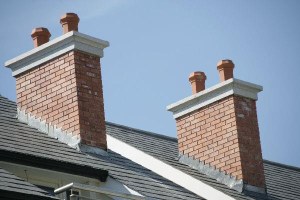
19	137
282	181
14	184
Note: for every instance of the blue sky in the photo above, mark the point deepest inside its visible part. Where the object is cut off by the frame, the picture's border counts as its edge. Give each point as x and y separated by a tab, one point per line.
155	45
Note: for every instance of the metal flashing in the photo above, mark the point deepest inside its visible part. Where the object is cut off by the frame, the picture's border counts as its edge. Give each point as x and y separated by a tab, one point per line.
221	177
213	94
210	171
49	129
93	150
70	41
57	133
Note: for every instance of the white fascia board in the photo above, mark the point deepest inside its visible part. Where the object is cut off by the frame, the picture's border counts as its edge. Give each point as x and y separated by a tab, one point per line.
118	195
52	178
70	41
213	94
157	166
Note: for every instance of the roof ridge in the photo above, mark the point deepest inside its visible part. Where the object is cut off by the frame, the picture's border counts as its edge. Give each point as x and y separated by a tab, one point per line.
282	165
143	131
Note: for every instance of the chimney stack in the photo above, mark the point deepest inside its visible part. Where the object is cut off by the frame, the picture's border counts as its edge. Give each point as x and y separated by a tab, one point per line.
225	68
197	80
40	36
218	132
59	86
69	22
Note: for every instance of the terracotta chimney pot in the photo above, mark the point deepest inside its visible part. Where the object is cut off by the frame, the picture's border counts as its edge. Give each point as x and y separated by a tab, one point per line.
225	68
69	22
40	36
197	80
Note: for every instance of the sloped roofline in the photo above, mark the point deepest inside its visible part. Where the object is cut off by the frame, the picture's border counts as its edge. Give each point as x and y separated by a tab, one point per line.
140	131
282	165
169	172
52	164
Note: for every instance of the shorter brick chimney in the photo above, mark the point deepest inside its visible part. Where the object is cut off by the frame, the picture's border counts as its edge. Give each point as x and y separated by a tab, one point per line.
59	86
218	131
197	80
40	36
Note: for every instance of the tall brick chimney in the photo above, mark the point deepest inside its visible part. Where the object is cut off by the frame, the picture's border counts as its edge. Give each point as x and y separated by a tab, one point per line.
59	86
218	132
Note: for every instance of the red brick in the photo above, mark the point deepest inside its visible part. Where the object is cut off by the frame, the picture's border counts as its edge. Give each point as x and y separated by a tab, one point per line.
225	144
54	89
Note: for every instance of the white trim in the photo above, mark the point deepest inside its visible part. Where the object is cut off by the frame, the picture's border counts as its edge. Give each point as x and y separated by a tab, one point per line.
184	180
213	94
114	185
55	179
90	188
70	41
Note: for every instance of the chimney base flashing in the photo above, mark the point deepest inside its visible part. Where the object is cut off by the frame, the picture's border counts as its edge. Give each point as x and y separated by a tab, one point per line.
57	133
70	41
93	150
226	88
221	177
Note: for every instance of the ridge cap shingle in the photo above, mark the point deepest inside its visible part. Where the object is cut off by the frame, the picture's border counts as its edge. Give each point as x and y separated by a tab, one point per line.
136	130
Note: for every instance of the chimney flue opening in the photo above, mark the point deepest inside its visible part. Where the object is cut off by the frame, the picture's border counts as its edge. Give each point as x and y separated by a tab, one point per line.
225	68
197	80
69	22
40	36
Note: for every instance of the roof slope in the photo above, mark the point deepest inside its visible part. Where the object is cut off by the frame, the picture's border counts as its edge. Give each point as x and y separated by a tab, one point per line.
283	182
15	188
18	137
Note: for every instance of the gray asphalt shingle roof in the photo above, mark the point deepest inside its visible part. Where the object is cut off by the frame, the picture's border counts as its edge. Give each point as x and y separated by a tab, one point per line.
16	136
283	182
19	187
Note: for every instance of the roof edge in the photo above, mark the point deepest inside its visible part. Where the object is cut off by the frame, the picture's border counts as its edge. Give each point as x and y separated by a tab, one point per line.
52	164
157	135
282	165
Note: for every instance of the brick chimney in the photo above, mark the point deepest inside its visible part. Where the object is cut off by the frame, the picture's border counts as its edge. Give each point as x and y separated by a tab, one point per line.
218	132
59	86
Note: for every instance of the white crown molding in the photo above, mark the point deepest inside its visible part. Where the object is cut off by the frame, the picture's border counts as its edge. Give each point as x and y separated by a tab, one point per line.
169	172
70	41
213	94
